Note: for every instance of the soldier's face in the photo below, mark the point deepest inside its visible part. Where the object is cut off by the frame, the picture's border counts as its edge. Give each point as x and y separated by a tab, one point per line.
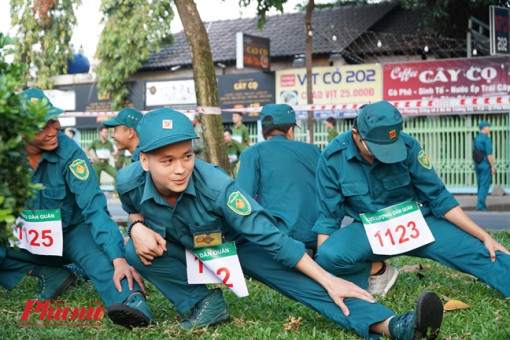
170	166
47	139
121	135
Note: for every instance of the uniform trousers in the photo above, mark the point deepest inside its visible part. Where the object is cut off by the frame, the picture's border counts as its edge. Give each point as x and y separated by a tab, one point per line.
347	253
483	182
78	247
168	274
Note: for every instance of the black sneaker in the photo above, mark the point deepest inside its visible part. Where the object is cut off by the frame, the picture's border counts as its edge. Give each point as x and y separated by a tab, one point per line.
423	323
133	312
209	311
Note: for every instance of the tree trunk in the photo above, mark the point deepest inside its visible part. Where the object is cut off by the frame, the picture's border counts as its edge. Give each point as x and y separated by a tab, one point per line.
308	65
204	76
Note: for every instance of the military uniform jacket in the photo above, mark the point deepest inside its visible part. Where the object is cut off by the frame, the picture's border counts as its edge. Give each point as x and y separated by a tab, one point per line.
211	202
348	185
280	174
70	186
484	144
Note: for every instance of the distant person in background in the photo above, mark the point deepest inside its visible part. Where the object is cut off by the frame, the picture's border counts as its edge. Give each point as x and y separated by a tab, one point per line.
234	149
240	132
100	151
124	133
484	166
331	126
198	144
70	132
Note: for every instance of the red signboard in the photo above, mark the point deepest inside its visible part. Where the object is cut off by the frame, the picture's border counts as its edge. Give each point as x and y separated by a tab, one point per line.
443	86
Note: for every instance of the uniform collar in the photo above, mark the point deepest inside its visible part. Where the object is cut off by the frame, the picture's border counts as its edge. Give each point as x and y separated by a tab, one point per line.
352	150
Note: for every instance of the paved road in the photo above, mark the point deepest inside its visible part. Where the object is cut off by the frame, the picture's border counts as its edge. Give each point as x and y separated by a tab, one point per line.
494	220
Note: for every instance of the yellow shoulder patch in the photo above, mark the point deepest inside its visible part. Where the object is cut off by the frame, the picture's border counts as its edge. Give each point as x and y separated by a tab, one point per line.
239	204
80	169
424	160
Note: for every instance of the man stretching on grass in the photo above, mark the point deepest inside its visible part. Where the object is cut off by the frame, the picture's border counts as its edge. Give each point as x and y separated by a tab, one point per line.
186	202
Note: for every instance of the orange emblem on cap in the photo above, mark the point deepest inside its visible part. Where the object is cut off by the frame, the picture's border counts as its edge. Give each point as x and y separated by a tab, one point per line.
167	124
34	100
392	134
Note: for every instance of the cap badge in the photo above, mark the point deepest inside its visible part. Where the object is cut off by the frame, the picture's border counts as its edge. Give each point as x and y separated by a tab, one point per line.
167	124
392	134
34	100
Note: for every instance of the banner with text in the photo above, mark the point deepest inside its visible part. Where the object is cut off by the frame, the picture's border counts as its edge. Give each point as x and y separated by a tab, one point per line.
331	85
448	86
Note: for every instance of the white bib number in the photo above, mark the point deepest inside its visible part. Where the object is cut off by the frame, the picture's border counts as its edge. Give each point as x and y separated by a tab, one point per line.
396	229
39	232
103	153
216	264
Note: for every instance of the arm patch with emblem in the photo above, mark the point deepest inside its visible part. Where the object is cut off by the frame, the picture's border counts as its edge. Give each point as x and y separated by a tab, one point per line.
239	204
79	169
424	160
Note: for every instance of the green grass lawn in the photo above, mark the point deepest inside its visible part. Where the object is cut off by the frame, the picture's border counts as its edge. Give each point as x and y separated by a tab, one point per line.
266	314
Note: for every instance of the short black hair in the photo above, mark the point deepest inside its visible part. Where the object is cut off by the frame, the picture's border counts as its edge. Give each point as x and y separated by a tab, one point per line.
268	128
331	120
227	129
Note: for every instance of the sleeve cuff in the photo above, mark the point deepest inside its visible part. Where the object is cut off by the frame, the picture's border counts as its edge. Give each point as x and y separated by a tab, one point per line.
442	204
290	253
325	225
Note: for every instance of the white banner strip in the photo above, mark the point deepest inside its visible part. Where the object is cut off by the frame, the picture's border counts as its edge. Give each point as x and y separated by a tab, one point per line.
502	101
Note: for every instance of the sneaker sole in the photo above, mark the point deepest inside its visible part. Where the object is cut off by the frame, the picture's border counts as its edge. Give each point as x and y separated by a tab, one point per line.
429	315
126	316
63	287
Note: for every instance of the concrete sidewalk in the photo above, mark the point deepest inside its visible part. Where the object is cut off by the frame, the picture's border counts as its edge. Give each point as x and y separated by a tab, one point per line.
494	203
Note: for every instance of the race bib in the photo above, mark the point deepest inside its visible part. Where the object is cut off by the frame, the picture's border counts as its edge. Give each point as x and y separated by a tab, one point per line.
232	158
216	264
237	138
103	153
396	229
39	232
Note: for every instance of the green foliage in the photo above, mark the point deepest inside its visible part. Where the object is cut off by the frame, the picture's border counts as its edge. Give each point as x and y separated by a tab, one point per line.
44	31
17	122
263	6
133	29
449	18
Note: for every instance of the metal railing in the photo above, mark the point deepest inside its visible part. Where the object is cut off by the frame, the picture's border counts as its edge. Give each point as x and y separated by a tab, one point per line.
447	141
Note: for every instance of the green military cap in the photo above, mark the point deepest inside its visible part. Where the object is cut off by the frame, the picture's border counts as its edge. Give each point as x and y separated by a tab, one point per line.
127	116
33	95
483	124
379	125
281	114
162	127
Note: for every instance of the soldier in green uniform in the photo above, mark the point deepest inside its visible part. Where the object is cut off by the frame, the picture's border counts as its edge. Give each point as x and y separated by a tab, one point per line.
186	201
90	238
240	132
331	126
374	171
100	151
234	149
280	172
